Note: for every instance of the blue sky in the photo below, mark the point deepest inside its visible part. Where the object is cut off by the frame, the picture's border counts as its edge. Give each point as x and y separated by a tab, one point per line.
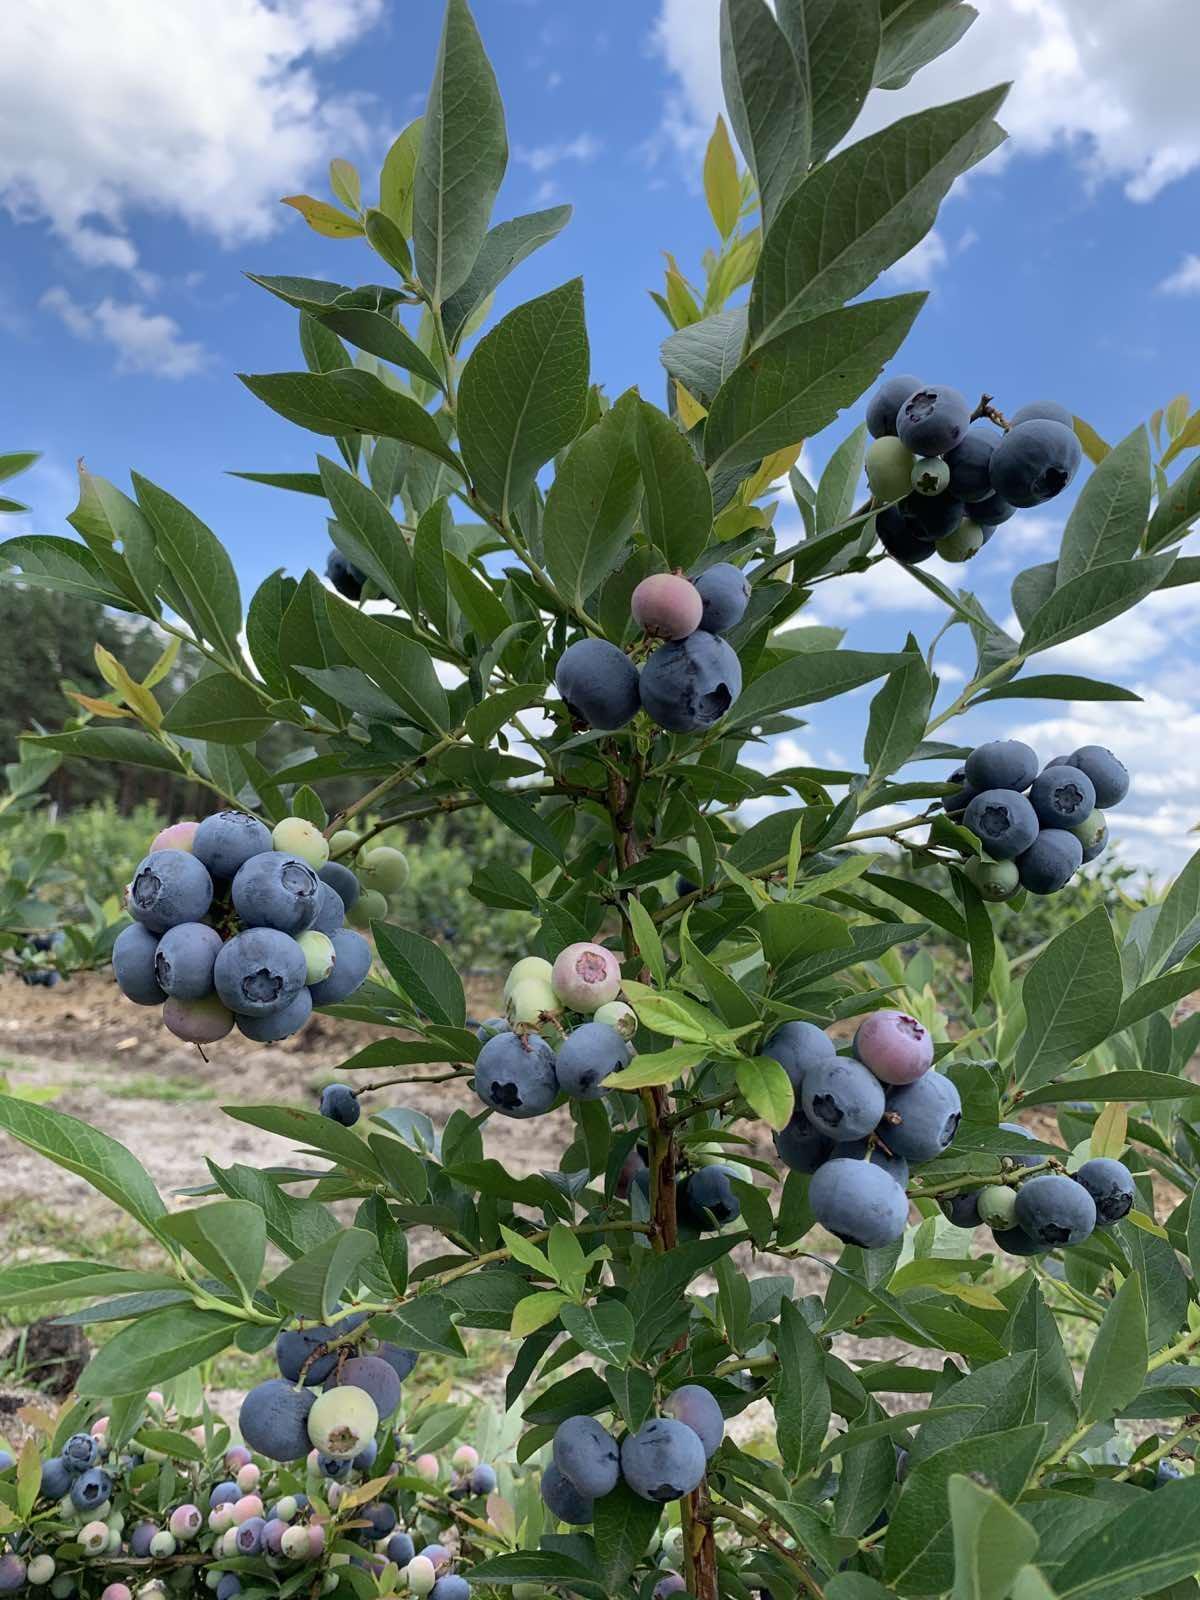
142	156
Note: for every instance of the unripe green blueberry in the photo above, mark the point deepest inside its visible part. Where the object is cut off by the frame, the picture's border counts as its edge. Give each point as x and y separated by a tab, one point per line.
93	1536
294	1543
995	880
295	836
63	1586
342	1420
997	1205
618	1015
527	967
384	868
221	1517
329	1582
420	1575
1092	833
286	1508
967	540
162	1544
228	1542
532	999
342	842
114	1541
40	1570
889	467
370	907
586	976
930	475
318	962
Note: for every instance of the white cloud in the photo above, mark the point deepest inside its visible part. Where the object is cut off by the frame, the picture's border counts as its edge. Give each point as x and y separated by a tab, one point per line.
174	109
584	147
1185	279
1112	82
144	341
921	262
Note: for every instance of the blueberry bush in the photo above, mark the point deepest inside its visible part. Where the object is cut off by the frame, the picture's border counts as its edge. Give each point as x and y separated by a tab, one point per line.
569	611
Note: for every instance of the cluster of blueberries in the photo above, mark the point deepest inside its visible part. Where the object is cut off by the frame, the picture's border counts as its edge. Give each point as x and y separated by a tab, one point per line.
1049	1210
689	682
1037	828
234	923
861	1119
662	1460
949	483
535	1052
36	975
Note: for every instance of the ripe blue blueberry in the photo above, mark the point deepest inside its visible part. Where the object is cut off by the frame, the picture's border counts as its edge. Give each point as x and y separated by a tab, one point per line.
663	1460
249	1536
884	405
91	1489
921	1118
1044	410
1016	1242
515	1075
586	1453
331	912
955	804
670	1583
227	839
139	1539
895	1166
1109	778
169	886
990	513
962	1209
229	1586
450	1587
586	1057
352	962
490	1027
226	1493
402	1360
1110	1184
697	1409
1055	1210
598	683
381	1518
274	1419
341	880
259	971
133	965
800	1146
345	577
842	1099
12	1572
281	1024
400	1549
932	420
374	1376
1167	1472
902	537
1002	764
690	684
1034	462
273	890
338	1468
934	516
340	1104
708	1191
365	1459
1051	861
968	463
1003	821
858	1203
564	1499
183	962
798	1046
1063	797
725	592
483	1479
1017	1158
80	1452
56	1479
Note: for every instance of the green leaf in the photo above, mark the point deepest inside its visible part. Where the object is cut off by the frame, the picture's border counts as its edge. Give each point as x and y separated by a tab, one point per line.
350	401
31	1283
505	247
14	461
1107	521
1116	1365
1132	1086
1178	912
156	1348
840	479
796	384
535	1566
312	1286
981	938
86	1152
593	502
1072	997
478	601
367	533
991	1542
863	210
340	1144
659	1068
229	1237
767	100
397	175
523	394
1091	599
656	1298
767	1089
381	336
199	567
702	355
402	669
463	154
46	562
835	43
1157	995
677	511
222	708
1055	686
1149	1545
913	36
424	973
623	1527
898	716
1177	509
125	746
604	1330
802	1404
646	935
812	676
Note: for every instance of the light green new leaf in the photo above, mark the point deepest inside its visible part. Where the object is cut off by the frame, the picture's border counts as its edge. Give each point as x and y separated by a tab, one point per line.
463	154
991	1542
593	502
1072	997
766	1089
397	175
1107	521
1116	1367
1093	598
677	511
661	1067
523	394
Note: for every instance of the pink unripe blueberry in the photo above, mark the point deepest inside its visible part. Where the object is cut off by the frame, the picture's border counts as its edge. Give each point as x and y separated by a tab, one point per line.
316	1539
437	1555
99	1428
667	606
197	1021
178	836
221	1517
465	1457
186	1522
248	1506
896	1047
294	1544
586	976
428	1468
248	1477
236	1456
117	1591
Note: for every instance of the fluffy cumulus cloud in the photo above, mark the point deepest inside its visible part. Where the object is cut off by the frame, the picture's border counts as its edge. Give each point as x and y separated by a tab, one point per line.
1185	279
145	341
200	115
1113	82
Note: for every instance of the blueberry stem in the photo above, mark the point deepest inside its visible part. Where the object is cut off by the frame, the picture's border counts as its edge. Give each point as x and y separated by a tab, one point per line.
1189	1430
759	1528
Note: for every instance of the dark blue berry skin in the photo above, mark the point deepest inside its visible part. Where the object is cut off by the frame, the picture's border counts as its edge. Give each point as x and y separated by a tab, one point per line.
1046	410
929	1112
598	683
279	891
586	1453
483	1479
80	1452
1034	462
885	403
564	1499
352	962
968	463
725	592
1031	1160
707	1190
1002	764
932	420
934	516
1003	821
1166	1472
400	1549
341	880
1109	778
962	1209
1051	861
281	1024
1063	797
516	1076
56	1479
91	1489
225	1493
398	1357
895	1166
227	839
843	1099
340	1104
331	912
380	1516
294	1346
168	887
858	1203
133	965
955	804
663	1460
797	1046
1016	1242
1110	1184
689	684
259	971
344	576
586	1057
229	1586
274	1419
183	962
1054	1210
800	1146
902	537
990	513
